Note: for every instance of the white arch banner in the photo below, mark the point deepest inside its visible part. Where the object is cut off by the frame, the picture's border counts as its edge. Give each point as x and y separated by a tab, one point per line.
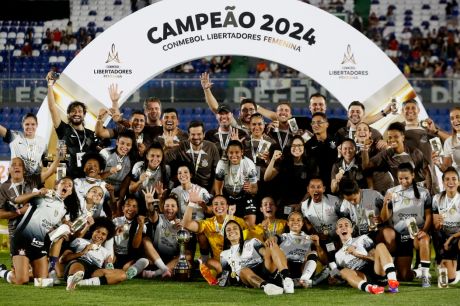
290	32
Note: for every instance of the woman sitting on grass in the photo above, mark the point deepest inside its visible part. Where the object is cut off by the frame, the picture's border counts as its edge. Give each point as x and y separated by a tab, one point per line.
361	263
250	262
90	263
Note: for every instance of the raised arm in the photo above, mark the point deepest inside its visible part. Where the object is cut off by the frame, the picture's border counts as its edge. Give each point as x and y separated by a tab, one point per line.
209	97
3	131
100	130
267	113
271	172
190	224
51	102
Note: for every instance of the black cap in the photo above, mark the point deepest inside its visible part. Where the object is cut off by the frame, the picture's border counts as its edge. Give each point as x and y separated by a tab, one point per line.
223	108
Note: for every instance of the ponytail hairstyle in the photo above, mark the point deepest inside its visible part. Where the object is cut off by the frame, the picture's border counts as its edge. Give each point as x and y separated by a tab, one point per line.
449	169
227	243
409	168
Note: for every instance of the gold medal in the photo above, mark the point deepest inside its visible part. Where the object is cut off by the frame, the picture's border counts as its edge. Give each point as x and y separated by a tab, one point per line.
453	211
233	274
326	232
118	167
406	201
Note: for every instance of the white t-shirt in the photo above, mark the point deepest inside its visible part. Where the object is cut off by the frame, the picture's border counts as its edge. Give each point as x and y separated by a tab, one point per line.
249	257
183	196
405	206
94	257
234	176
371	200
295	247
322	215
449	208
345	260
453	151
29	150
121	241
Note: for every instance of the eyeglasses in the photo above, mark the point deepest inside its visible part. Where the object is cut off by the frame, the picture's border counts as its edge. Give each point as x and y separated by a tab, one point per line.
317	122
297	146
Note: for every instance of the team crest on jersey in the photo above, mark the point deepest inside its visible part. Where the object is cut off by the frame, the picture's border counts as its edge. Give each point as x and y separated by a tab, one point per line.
204	163
22	252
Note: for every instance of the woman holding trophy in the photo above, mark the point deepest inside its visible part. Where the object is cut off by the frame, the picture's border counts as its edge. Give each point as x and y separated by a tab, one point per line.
446	220
408	208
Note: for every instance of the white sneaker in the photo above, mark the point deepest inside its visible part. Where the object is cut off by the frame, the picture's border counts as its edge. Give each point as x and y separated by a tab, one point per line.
288	285
271	289
73	280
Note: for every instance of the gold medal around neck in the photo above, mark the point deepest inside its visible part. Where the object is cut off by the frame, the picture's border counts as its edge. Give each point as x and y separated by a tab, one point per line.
233	274
118	167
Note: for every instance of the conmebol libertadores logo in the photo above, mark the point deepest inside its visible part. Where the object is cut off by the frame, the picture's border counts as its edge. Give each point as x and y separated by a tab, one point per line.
113	68
349	67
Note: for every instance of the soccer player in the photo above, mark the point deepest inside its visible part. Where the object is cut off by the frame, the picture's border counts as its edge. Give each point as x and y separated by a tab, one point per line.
401	203
250	261
361	262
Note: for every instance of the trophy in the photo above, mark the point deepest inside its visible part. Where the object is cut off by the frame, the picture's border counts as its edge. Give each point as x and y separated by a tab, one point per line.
293	126
394	106
412	227
443	280
182	268
370	220
61	171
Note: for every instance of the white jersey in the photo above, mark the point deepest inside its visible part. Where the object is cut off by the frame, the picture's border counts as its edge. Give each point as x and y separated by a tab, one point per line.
82	185
295	246
112	160
249	257
95	257
453	150
323	215
362	245
182	195
165	237
44	215
29	150
371	200
234	176
405	206
121	241
449	208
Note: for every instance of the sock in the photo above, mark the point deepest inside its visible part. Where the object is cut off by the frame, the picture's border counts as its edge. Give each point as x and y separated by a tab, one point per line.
158	272
52	264
9	276
284	273
93	281
308	269
141	264
457	278
390	271
425	267
262	285
160	264
451	281
363	285
148	274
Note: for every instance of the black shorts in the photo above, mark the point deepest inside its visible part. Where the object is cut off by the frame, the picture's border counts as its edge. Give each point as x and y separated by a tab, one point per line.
245	204
453	252
121	260
295	268
404	246
89	268
371	276
31	247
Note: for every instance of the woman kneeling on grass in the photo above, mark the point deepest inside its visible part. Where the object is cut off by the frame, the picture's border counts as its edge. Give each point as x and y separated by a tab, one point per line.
356	257
85	264
248	261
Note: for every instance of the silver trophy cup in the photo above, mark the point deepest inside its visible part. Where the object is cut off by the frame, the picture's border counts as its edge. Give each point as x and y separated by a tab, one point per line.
182	268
